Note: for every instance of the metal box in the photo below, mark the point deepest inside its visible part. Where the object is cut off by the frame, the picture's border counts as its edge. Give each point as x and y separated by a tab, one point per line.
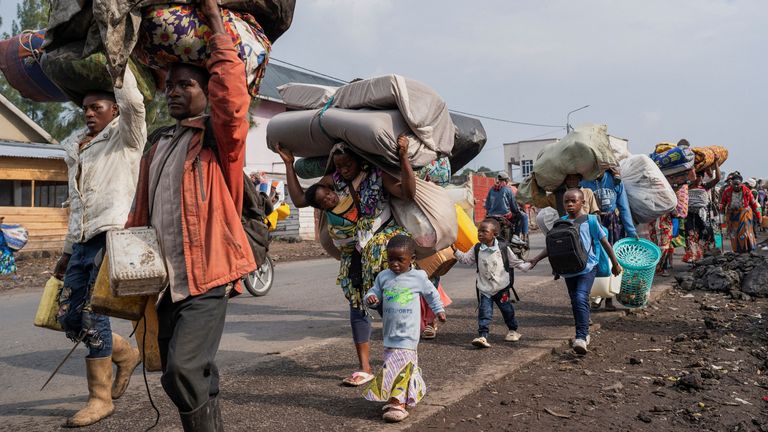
136	264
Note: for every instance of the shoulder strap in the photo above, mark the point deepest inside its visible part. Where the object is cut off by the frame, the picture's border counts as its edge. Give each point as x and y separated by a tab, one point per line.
504	248
476	250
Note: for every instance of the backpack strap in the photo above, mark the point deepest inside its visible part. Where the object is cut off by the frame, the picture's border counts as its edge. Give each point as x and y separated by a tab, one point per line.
476	250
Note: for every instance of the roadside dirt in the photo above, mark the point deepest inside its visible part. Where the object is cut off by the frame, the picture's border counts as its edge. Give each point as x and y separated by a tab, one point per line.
693	361
283	251
30	273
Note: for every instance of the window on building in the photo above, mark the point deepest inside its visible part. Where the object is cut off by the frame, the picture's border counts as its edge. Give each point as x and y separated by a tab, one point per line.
50	193
16	193
526	166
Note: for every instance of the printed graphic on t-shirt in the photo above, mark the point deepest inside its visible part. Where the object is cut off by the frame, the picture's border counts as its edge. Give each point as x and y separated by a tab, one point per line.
605	196
398	294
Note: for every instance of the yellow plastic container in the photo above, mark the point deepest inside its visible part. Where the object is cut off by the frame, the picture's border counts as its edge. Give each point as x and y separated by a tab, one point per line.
278	214
467	235
49	306
104	302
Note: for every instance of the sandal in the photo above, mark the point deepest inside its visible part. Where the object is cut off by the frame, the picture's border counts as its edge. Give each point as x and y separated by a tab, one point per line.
430	332
357	379
395	414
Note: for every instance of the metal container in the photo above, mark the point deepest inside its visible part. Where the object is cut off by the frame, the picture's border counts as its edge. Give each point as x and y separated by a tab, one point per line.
136	264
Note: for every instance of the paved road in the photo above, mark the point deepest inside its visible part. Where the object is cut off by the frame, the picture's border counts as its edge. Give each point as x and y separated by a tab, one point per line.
304	309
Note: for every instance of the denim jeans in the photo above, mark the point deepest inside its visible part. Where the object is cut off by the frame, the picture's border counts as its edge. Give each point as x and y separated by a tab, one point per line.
485	311
361	325
522	227
578	289
75	314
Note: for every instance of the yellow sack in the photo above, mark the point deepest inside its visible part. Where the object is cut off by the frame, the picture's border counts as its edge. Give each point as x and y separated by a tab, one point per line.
49	306
467	235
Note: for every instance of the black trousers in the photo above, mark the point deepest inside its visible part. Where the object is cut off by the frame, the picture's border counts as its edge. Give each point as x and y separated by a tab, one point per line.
189	335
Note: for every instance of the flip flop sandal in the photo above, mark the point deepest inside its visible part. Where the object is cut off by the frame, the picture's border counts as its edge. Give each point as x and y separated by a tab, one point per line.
596	305
357	379
395	414
429	332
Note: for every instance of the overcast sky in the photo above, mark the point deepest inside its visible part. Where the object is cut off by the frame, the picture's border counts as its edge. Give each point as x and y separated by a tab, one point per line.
652	70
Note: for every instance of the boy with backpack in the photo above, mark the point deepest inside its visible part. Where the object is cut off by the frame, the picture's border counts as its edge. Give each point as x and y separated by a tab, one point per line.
578	249
494	261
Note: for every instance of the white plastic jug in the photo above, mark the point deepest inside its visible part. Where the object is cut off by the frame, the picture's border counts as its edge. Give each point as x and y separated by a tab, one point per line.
605	287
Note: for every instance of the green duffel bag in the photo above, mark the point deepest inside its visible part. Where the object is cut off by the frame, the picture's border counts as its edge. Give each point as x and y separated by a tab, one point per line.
77	76
310	168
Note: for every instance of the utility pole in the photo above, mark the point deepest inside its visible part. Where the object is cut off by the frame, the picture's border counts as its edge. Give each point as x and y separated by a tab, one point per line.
568	127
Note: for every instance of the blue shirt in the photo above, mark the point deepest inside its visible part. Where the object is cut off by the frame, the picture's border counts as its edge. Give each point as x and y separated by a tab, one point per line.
586	241
611	195
399	296
501	202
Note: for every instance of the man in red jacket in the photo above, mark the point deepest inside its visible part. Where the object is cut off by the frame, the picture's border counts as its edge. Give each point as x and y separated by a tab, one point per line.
192	193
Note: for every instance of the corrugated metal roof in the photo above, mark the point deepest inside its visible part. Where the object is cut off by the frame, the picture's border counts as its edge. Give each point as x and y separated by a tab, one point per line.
31	150
277	75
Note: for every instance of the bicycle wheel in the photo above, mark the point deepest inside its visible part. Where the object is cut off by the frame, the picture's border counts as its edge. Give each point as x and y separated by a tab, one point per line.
259	282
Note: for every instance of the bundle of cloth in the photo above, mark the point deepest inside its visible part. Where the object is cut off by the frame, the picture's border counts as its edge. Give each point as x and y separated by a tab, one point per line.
673	159
20	63
369	116
586	151
116	27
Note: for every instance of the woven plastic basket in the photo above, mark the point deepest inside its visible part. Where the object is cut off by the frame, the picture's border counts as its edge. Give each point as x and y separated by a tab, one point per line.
638	258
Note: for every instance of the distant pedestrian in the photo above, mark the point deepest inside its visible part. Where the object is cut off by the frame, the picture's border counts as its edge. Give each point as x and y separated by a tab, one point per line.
399	382
495	277
580	283
741	212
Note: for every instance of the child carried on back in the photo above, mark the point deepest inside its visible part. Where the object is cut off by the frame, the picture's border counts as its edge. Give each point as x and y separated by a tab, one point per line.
399	382
494	261
578	250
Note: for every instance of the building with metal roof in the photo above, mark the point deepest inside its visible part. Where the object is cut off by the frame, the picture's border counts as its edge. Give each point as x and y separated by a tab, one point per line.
33	180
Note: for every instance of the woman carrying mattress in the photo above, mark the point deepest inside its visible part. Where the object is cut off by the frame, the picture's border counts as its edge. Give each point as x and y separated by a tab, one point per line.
355	197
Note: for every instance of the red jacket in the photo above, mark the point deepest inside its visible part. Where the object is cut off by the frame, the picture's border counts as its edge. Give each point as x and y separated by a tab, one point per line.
748	201
216	248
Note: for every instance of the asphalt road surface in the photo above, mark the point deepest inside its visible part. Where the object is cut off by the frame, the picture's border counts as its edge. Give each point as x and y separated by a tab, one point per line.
304	308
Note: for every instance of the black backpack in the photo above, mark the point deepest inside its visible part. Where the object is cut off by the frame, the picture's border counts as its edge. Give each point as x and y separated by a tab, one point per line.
564	247
503	247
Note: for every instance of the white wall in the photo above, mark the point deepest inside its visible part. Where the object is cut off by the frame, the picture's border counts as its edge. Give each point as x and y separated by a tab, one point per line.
257	156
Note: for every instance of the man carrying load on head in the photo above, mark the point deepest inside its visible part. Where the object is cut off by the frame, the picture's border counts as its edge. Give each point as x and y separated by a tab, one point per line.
103	167
191	191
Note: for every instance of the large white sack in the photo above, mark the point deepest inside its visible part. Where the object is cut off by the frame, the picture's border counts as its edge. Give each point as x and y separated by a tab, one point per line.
430	218
620	148
305	96
650	195
586	151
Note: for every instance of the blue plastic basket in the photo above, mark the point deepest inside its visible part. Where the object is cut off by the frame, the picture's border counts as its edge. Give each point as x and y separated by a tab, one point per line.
638	258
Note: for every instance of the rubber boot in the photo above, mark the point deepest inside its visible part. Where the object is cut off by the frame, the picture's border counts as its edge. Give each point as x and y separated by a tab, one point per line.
99	373
126	358
207	418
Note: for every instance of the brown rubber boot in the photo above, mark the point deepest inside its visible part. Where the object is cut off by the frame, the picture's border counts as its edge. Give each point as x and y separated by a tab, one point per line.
126	358
99	372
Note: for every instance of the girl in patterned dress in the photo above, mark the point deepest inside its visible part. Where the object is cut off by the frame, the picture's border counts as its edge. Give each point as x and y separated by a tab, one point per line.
356	199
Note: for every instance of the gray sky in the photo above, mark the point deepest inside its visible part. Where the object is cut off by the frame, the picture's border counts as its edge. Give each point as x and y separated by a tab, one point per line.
652	70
